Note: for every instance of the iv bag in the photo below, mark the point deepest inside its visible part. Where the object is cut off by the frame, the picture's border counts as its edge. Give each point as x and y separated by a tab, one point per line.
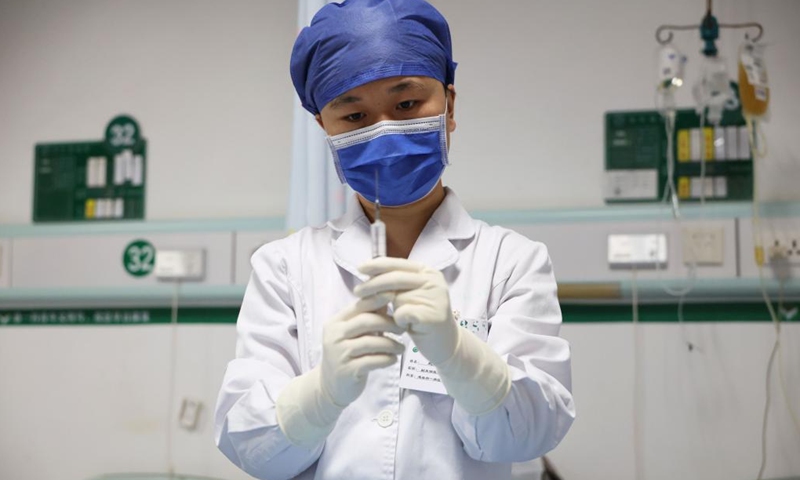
670	67
670	76
713	91
753	86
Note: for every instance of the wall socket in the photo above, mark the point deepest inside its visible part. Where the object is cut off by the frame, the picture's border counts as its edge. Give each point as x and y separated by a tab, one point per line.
189	416
783	245
703	246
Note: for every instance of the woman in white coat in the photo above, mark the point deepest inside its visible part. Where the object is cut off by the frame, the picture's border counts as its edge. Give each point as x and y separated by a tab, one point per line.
441	360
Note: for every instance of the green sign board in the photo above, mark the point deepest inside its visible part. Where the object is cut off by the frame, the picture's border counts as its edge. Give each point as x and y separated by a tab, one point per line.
712	162
139	258
92	181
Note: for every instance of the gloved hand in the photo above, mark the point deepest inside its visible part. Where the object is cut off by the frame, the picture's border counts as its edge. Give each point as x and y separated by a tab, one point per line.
352	346
421	303
473	374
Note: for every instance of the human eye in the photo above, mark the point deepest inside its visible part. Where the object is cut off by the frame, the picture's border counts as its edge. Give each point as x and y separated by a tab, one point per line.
354	117
407	105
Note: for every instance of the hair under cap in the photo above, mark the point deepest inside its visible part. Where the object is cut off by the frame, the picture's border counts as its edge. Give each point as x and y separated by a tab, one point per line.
355	42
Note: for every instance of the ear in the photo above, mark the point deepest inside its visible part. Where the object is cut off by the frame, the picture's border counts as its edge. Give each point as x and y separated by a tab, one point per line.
451	108
318	118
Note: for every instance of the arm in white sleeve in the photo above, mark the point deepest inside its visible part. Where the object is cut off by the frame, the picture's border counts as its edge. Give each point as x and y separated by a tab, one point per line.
267	359
538	410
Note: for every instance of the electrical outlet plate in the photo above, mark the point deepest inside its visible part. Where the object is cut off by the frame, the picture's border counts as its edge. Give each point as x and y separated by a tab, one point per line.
190	413
180	264
703	246
782	245
646	251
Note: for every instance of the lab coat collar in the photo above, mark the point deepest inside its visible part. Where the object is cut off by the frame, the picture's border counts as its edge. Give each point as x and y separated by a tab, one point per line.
434	247
453	218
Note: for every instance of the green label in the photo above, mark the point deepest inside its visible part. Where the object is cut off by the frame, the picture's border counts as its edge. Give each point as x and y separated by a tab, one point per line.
139	258
116	316
122	132
75	317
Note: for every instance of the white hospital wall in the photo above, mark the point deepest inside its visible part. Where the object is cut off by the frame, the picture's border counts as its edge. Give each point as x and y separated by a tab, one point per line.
81	401
209	83
536	77
701	410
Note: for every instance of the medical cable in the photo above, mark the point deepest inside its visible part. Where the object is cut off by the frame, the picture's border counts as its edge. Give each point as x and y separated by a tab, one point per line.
681	293
172	374
781	377
759	152
703	156
638	400
669	191
669	123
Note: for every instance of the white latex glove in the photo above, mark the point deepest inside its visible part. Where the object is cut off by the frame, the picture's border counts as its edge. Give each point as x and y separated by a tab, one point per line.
421	303
473	374
352	346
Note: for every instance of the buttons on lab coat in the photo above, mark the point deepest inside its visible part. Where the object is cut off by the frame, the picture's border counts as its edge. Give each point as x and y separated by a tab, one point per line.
385	418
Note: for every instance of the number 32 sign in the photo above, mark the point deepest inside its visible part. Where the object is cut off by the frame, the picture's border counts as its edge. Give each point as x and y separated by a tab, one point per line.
138	258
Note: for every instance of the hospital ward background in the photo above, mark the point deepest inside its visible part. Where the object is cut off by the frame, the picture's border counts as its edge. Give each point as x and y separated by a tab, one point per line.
148	148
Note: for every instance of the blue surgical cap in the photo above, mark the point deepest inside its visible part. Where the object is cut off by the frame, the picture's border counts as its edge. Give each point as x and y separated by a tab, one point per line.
355	42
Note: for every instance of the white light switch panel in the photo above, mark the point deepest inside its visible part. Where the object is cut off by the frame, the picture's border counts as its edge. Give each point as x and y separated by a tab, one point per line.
637	251
180	264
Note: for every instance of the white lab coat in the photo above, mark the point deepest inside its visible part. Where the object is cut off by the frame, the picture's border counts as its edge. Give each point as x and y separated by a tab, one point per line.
301	281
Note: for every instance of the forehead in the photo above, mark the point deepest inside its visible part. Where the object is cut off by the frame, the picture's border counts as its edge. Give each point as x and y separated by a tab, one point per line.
385	87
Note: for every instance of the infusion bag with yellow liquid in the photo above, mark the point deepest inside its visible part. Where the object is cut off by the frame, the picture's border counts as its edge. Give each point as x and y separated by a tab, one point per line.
753	86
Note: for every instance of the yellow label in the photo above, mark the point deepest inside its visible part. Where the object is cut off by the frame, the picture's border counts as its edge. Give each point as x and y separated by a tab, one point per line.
759	256
89	210
708	133
684	150
684	187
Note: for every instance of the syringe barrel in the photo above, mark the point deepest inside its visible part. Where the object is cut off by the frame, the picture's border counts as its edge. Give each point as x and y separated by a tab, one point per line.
378	236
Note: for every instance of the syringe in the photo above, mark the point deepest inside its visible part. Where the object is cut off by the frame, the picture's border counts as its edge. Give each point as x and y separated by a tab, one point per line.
378	229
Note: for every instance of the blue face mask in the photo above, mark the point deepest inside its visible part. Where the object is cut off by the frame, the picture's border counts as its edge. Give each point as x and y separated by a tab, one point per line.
407	158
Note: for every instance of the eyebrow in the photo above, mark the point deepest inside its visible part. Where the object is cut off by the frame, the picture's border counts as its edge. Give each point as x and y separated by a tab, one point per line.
340	102
343	100
407	85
